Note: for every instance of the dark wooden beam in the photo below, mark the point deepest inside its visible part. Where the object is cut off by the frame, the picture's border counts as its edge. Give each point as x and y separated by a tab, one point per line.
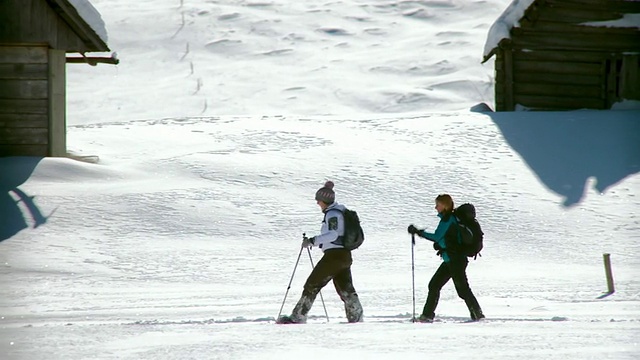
93	60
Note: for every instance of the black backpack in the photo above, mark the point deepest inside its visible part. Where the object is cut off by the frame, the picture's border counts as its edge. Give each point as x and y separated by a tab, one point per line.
470	231
353	235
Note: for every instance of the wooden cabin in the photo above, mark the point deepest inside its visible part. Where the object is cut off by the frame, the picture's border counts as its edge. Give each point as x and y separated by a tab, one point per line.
35	38
566	54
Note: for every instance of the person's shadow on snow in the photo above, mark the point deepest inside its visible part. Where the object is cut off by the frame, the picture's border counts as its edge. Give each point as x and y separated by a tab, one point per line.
565	149
14	171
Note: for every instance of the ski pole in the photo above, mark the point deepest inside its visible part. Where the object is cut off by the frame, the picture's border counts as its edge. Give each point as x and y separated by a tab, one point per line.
290	281
413	277
323	305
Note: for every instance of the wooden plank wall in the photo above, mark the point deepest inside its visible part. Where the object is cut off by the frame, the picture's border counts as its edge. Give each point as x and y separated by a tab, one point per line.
559	80
35	22
499	87
57	103
630	77
557	63
24	104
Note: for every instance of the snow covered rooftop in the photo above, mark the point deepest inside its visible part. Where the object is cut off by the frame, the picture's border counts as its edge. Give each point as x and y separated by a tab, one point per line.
509	19
503	25
91	16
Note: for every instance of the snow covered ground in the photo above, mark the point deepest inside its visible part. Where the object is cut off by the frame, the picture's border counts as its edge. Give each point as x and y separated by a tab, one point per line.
177	237
238	57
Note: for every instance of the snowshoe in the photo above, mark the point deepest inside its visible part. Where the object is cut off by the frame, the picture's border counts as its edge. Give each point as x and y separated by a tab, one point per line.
476	315
424	319
289	320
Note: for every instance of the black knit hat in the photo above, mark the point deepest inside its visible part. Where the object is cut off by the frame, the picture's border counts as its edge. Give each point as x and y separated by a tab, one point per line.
326	194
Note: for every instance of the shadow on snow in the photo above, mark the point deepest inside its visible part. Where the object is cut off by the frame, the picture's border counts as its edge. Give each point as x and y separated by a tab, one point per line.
565	149
14	171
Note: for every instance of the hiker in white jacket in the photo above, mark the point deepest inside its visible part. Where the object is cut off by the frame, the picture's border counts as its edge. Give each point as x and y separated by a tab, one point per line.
335	263
332	229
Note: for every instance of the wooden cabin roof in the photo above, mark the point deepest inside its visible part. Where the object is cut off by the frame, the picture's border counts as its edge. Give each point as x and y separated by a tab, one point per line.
70	25
586	16
80	25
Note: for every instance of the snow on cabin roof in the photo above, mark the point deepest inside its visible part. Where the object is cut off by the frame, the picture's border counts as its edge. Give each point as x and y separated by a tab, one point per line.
91	16
501	28
627	21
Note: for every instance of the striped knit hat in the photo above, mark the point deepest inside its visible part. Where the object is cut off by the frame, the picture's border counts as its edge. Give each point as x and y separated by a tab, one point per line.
326	194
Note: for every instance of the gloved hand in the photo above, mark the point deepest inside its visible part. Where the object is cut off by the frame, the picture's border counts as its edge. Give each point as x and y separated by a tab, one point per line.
437	248
413	230
307	242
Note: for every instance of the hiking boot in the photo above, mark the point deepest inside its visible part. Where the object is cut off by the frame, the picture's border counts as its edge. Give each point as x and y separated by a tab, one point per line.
424	319
284	319
353	310
355	317
476	315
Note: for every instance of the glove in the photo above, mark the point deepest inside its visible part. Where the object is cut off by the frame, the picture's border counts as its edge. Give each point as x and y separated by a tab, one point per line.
412	229
437	248
307	242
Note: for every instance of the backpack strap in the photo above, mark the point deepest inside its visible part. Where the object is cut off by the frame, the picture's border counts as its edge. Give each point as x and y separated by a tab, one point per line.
456	223
338	240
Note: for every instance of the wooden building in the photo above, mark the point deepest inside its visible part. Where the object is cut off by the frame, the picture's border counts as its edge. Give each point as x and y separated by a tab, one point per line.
35	37
567	54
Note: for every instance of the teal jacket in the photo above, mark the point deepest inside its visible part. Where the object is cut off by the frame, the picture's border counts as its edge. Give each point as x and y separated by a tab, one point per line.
446	235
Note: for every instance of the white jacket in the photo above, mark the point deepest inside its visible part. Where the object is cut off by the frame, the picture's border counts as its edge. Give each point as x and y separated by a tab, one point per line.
332	228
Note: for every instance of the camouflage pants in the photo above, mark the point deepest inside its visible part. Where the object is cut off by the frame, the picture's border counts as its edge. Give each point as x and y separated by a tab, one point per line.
335	265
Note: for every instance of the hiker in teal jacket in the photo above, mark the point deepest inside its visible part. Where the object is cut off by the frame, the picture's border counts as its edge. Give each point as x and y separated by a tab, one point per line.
447	242
446	233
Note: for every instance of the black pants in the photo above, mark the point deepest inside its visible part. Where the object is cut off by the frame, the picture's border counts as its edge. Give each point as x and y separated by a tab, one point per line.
456	270
335	265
